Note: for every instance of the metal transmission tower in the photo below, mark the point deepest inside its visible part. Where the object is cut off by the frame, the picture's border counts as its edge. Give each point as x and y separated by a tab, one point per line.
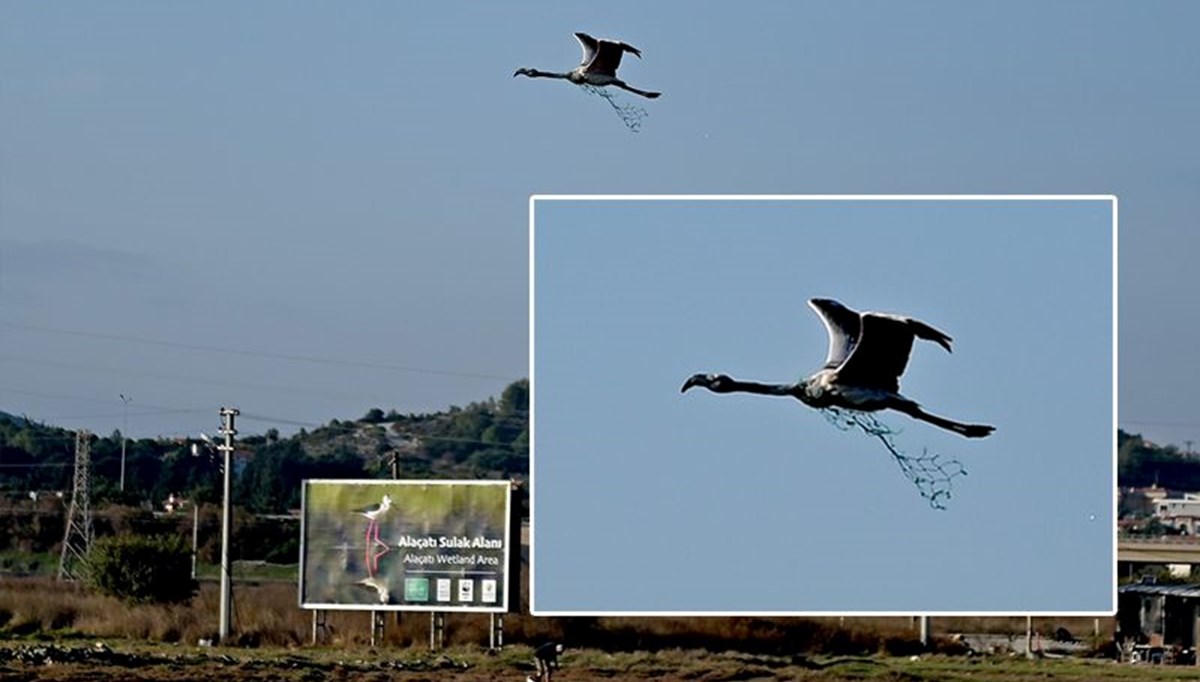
77	541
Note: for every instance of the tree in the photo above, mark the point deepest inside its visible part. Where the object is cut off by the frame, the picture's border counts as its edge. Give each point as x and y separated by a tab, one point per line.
143	569
515	398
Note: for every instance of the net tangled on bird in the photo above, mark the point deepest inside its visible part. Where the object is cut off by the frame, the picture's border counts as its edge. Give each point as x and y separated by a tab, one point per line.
630	114
932	475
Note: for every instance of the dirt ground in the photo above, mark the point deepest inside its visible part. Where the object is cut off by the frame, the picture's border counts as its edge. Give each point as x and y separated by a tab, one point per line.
78	662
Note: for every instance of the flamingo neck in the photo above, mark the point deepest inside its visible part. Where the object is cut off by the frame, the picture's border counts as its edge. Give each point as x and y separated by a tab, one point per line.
736	386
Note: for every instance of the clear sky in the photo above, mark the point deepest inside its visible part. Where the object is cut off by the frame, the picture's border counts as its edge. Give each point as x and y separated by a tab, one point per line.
649	499
349	182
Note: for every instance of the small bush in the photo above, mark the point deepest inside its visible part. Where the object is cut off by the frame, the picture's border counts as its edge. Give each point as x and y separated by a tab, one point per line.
140	569
905	645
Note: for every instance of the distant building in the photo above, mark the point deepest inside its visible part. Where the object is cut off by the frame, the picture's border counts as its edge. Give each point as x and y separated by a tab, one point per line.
1140	502
1160	619
241	458
1182	513
174	503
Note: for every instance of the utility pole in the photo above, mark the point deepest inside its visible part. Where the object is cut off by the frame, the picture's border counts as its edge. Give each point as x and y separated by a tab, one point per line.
124	438
226	446
195	535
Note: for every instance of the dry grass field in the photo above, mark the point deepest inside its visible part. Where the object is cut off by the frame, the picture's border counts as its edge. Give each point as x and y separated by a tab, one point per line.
54	631
267	615
164	663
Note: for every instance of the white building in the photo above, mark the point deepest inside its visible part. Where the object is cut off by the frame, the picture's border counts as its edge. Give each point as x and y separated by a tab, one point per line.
1180	512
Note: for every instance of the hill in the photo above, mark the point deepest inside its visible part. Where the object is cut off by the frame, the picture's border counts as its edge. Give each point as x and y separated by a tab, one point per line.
484	440
487	439
1141	463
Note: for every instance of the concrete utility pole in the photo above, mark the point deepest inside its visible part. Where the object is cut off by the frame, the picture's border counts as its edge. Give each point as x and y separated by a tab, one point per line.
226	446
195	535
124	429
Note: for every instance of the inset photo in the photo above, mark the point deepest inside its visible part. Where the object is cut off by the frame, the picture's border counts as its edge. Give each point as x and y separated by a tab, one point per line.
811	404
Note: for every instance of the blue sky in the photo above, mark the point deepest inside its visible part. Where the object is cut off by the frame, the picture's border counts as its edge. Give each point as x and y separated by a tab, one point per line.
761	493
350	182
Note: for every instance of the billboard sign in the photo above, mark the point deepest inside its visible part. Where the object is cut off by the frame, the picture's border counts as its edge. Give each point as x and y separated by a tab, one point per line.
406	545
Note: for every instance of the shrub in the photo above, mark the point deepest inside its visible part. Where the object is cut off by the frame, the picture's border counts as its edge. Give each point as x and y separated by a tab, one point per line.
141	569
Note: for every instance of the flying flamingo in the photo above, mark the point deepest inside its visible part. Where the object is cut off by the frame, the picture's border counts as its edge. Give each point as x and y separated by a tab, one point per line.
867	354
599	66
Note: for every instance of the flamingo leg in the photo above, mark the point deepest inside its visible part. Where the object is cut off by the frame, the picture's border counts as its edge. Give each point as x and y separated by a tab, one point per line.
377	543
367	558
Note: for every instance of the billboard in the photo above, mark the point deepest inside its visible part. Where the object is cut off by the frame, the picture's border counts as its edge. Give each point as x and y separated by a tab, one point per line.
406	545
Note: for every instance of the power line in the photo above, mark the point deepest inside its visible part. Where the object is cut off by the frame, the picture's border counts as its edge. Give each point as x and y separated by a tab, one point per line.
311	425
515	415
62	438
278	420
514	419
512	446
184	378
259	354
79	398
509	420
138	413
1187	425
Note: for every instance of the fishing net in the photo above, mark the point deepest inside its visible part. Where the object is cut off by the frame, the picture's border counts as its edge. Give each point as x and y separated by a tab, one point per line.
932	475
630	114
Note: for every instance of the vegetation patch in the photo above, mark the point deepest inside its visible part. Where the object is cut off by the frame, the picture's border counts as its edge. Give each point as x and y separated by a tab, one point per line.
143	569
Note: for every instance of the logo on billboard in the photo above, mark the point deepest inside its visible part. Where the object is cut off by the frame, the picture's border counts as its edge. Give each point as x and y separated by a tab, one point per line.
416	589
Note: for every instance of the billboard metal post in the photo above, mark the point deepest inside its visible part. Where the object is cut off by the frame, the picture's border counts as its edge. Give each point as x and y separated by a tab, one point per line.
319	624
376	628
496	634
437	630
1028	636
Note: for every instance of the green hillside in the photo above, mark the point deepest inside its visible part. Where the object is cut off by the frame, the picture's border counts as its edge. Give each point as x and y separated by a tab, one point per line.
487	439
